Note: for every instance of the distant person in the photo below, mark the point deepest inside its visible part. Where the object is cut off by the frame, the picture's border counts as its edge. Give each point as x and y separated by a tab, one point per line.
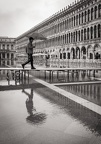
29	51
8	78
47	57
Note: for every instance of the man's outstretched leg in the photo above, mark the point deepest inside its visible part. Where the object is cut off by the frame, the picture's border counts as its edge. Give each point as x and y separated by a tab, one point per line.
31	58
23	65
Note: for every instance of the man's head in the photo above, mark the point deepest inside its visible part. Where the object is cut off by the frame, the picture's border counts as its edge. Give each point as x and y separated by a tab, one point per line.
31	39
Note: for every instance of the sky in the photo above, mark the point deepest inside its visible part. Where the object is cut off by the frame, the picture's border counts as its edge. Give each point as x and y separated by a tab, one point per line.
18	16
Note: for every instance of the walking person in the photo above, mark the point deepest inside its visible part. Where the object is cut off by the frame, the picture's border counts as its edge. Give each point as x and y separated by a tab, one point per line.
29	51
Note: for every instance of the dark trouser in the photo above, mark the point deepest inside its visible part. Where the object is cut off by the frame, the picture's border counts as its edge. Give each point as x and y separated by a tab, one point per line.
30	59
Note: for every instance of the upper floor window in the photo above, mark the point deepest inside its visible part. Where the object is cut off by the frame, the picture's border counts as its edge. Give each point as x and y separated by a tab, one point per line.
99	30
85	15
99	10
3	46
11	46
88	15
7	46
92	14
12	55
95	12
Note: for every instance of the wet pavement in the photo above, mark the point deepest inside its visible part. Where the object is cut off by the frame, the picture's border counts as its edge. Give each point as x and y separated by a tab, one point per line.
90	92
35	114
31	113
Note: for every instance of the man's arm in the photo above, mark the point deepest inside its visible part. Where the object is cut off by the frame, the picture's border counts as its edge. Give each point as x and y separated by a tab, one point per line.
34	45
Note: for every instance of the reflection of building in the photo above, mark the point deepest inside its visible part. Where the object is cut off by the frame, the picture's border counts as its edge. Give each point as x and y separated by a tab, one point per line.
75	32
7	51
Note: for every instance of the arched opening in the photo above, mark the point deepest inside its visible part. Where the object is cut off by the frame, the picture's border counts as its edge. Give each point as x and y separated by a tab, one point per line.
84	34
83	52
95	31
88	15
82	17
95	12
71	37
91	31
68	55
85	15
99	30
77	53
91	13
73	53
90	52
87	33
99	10
97	51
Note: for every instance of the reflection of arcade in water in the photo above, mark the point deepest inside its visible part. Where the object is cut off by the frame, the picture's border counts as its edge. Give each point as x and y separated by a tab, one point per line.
20	75
67	76
91	92
15	75
88	118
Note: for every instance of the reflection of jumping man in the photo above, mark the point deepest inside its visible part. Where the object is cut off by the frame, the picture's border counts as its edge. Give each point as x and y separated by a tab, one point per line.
29	102
34	117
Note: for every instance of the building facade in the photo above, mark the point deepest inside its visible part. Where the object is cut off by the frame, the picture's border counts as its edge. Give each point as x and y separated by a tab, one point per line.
73	37
7	51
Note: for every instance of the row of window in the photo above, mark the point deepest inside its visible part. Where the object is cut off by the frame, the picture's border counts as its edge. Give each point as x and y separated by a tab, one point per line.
68	55
76	20
3	46
89	33
3	55
2	63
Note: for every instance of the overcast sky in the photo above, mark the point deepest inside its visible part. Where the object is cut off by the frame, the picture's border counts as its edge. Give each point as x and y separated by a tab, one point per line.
18	16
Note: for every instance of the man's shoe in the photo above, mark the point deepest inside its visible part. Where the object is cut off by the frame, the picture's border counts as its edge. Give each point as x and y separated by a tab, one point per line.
23	66
33	68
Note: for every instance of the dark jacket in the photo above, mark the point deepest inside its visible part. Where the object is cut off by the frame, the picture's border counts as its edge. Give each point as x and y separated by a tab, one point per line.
29	48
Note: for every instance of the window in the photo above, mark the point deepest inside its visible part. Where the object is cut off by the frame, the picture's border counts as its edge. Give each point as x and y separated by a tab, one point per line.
3	46
79	19
60	55
94	31
76	36
91	30
92	14
84	34
8	47
64	55
71	37
82	17
99	10
81	35
95	12
7	55
88	15
12	56
85	15
88	33
68	55
99	31
74	20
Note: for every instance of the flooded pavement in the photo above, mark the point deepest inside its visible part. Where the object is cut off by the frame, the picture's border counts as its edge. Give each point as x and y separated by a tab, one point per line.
31	113
35	114
90	92
67	76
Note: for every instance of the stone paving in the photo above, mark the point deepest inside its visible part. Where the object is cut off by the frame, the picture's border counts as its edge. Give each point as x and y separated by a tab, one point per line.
45	114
